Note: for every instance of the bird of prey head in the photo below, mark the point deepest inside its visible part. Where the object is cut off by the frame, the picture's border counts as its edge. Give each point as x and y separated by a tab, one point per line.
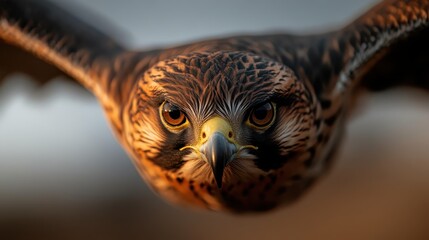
223	129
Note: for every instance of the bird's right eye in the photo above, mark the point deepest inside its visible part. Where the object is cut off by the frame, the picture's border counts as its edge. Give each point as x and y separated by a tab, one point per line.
172	115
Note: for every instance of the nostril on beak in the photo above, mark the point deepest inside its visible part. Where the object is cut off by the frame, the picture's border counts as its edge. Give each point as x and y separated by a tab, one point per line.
230	135
203	135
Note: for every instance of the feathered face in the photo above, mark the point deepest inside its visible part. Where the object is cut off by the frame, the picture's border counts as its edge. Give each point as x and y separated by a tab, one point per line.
223	130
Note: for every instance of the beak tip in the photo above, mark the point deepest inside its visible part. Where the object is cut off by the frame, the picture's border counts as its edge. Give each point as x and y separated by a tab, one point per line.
219	184
219	152
218	176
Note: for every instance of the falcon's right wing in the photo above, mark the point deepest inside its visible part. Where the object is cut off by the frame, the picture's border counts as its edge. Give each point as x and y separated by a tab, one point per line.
78	49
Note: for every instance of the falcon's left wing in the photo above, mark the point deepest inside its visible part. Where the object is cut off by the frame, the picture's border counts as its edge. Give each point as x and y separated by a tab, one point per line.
387	46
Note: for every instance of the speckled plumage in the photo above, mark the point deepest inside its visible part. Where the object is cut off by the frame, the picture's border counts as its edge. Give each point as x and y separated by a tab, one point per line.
311	82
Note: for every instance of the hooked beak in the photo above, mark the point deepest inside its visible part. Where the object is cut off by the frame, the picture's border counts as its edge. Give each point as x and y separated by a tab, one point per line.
217	146
219	153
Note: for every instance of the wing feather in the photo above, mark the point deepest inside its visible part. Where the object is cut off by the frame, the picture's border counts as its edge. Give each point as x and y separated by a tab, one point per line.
384	43
71	45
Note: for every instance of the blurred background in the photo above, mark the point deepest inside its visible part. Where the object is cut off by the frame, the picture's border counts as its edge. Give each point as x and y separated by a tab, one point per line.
63	175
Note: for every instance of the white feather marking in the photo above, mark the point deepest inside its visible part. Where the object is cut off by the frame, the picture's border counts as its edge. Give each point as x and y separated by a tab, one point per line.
288	132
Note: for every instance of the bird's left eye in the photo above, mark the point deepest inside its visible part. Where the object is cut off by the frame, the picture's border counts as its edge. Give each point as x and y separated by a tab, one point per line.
172	115
262	115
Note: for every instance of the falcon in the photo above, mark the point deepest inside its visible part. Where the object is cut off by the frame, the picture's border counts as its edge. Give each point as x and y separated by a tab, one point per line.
238	124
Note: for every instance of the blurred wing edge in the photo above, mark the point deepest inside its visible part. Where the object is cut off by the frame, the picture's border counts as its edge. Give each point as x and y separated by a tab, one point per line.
385	46
71	45
57	37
